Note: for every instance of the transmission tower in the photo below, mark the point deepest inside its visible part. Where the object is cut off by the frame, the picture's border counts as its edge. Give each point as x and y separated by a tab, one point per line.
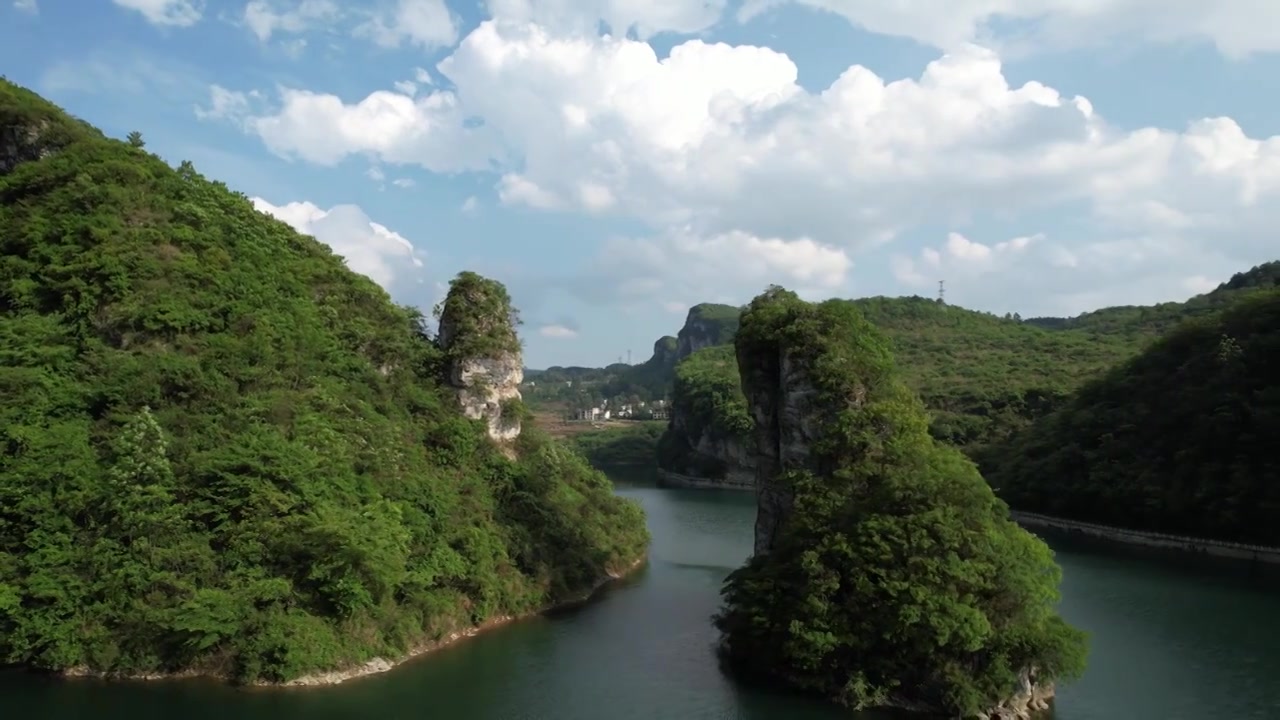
942	292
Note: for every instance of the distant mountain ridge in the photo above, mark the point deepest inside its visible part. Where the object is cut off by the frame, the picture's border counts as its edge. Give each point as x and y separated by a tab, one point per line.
983	377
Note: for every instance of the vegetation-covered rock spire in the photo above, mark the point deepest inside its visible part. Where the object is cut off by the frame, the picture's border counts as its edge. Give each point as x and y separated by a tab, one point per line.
886	572
478	336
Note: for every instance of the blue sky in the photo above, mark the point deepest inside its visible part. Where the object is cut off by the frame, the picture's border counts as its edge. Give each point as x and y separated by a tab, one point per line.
615	161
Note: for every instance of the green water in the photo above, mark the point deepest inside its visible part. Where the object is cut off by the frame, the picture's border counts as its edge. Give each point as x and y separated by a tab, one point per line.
1169	642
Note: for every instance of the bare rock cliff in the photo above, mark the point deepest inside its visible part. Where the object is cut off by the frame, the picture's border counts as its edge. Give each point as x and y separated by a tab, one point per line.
781	399
726	462
21	142
706	325
487	388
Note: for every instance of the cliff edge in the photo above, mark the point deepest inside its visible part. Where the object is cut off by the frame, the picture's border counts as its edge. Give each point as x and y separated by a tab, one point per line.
885	573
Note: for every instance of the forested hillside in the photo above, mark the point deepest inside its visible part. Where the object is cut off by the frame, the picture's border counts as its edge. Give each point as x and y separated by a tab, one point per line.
1181	439
223	451
982	376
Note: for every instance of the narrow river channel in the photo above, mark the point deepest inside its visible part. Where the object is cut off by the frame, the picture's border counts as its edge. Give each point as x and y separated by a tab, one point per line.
1170	641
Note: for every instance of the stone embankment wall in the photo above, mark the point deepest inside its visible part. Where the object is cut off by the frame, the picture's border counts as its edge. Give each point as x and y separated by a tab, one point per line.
666	478
1218	548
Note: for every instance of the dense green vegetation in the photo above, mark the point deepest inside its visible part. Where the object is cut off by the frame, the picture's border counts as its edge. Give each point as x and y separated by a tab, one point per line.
222	450
480	321
579	388
1180	439
982	377
706	400
897	577
632	445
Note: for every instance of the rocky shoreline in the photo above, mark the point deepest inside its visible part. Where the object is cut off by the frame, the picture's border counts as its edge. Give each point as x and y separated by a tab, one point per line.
376	665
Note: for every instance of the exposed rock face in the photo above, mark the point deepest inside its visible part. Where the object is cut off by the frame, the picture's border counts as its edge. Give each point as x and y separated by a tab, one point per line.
488	385
706	325
705	444
484	362
664	352
21	143
736	468
780	397
692	453
1031	698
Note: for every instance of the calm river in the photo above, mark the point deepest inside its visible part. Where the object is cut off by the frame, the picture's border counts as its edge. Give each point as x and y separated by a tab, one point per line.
1169	643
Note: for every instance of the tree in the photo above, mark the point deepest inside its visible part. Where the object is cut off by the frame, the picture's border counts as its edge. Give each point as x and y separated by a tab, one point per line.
135	140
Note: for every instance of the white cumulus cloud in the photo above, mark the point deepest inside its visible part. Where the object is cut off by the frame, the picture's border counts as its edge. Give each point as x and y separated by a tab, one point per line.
368	248
1236	27
265	18
424	24
747	178
719	268
644	18
173	13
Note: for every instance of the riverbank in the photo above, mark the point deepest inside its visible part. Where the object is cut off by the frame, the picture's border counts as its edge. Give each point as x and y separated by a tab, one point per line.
376	665
1199	546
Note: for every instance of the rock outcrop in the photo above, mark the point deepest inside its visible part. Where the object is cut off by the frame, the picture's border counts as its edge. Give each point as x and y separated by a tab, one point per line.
883	562
489	389
485	365
22	142
705	444
1032	696
780	398
706	325
701	448
712	459
664	352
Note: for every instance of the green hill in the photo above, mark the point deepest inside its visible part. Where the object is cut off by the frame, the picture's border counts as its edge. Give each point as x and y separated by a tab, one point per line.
1180	439
982	376
1155	320
222	451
